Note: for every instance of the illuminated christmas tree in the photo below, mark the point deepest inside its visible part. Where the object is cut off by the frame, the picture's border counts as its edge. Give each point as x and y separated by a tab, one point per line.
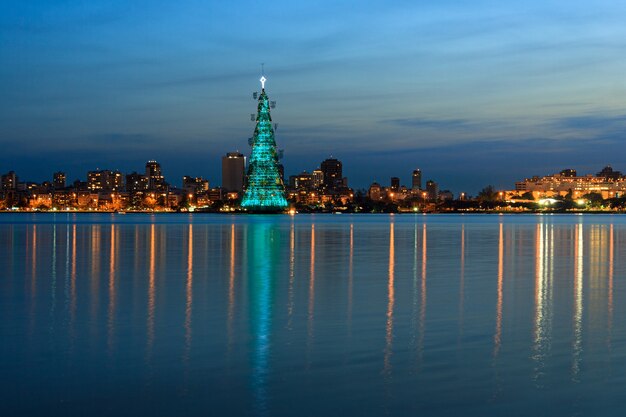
265	191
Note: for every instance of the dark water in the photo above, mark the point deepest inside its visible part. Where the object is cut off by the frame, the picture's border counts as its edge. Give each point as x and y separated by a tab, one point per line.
312	315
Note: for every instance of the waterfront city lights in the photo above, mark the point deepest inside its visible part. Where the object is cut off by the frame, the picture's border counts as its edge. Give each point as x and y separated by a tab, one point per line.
547	201
160	252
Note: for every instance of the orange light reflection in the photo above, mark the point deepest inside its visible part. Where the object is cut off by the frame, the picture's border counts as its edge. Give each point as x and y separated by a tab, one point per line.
497	338
390	302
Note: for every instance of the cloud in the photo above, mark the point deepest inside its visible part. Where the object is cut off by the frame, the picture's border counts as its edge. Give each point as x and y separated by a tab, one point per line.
114	143
417	122
593	122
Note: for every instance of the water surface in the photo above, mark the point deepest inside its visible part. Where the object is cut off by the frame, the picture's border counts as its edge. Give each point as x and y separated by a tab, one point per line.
312	315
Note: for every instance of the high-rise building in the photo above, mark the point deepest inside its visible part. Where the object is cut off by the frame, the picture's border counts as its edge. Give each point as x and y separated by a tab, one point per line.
333	173
136	182
568	173
58	180
318	178
416	179
395	183
156	180
608	173
194	185
79	185
432	189
9	181
375	192
95	182
105	180
302	181
116	181
265	190
233	171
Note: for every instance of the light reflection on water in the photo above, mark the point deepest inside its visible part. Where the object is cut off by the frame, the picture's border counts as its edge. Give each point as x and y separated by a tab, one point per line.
308	315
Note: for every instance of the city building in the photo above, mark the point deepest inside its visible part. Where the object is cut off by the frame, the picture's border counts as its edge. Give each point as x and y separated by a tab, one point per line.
318	178
375	192
607	183
233	171
302	181
136	182
9	181
333	174
395	183
445	195
432	190
105	180
156	180
416	180
195	185
58	180
609	174
215	194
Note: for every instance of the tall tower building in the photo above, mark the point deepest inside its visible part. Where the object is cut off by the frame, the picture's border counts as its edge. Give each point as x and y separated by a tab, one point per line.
58	180
333	173
318	178
136	182
395	183
9	181
265	190
416	179
233	171
432	188
156	181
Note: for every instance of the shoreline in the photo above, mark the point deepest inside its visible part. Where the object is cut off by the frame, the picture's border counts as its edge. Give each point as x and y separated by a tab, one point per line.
401	213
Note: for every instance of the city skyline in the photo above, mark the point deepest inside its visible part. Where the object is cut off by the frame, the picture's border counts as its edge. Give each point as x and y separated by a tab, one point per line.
415	179
278	208
493	91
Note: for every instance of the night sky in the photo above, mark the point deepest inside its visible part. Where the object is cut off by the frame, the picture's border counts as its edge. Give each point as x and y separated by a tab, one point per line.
473	93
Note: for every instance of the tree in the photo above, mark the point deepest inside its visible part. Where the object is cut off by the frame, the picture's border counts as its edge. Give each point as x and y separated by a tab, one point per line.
595	199
570	195
487	194
265	190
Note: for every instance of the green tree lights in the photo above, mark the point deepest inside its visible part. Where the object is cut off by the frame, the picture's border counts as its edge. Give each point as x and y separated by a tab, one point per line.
265	191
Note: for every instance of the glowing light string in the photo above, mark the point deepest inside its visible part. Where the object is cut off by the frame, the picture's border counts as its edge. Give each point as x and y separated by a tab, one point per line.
265	191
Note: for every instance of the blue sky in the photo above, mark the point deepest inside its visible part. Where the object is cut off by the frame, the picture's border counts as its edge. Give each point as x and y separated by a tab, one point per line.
473	93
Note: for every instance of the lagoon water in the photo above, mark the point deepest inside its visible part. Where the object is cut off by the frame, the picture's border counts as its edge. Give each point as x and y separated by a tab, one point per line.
312	315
